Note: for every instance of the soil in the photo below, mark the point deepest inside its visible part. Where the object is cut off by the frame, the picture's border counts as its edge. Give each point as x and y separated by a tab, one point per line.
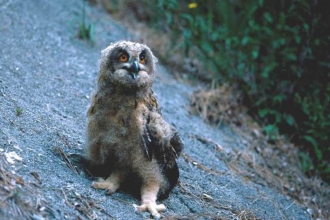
46	77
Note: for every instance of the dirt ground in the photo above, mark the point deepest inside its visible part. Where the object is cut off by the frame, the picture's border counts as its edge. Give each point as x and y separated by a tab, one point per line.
46	77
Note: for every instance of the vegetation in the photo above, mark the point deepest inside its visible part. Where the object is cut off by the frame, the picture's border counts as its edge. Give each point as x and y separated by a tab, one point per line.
19	111
275	52
85	32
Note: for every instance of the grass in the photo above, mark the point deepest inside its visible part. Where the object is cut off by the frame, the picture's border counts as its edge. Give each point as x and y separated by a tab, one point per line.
19	111
85	31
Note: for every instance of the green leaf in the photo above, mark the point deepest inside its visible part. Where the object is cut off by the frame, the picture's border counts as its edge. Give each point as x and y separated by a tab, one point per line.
263	112
305	162
297	38
187	17
317	151
206	46
271	131
306	27
326	170
91	32
245	40
289	119
311	140
268	17
255	54
291	56
267	69
278	98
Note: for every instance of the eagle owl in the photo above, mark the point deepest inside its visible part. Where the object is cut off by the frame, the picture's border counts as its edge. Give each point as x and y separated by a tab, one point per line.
127	136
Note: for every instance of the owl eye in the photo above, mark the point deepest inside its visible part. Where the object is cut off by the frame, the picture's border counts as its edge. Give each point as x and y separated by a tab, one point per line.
123	58
142	59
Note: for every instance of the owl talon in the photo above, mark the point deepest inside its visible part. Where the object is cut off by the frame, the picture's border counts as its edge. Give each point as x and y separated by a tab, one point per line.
99	184
152	208
109	191
109	188
110	185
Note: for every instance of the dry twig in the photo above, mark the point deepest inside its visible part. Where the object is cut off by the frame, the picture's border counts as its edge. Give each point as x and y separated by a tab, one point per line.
64	139
64	156
188	159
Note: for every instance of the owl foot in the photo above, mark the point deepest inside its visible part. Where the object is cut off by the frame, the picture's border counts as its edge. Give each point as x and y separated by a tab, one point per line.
152	208
149	193
111	184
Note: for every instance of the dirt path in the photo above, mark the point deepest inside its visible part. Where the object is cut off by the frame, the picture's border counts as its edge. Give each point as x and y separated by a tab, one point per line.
46	77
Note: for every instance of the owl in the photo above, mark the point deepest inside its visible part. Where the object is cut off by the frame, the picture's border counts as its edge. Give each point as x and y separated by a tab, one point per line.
128	140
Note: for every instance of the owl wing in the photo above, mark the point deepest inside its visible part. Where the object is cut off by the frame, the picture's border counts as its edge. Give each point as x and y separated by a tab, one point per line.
161	140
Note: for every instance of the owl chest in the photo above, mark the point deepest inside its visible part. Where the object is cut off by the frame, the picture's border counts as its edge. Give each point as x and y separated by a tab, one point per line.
127	124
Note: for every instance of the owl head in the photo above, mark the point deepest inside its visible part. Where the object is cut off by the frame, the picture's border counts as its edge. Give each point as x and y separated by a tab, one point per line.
128	64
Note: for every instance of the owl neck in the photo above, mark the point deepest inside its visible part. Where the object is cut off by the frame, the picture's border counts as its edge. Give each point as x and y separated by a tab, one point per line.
118	95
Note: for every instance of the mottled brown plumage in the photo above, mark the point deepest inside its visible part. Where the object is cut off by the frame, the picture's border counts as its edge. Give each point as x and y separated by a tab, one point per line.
126	133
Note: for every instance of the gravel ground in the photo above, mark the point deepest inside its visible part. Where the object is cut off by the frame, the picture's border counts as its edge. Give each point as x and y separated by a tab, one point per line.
46	78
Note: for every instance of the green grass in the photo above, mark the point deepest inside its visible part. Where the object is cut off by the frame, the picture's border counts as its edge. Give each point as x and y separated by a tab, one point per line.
85	31
19	111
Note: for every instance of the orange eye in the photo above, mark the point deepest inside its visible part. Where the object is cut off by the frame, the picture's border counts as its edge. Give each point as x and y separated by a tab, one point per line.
123	58
142	59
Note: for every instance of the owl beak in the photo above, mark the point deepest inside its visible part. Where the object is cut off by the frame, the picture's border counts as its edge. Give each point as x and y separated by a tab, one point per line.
134	69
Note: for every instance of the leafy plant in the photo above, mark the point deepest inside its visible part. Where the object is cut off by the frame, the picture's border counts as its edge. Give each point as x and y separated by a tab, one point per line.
85	32
19	111
275	52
